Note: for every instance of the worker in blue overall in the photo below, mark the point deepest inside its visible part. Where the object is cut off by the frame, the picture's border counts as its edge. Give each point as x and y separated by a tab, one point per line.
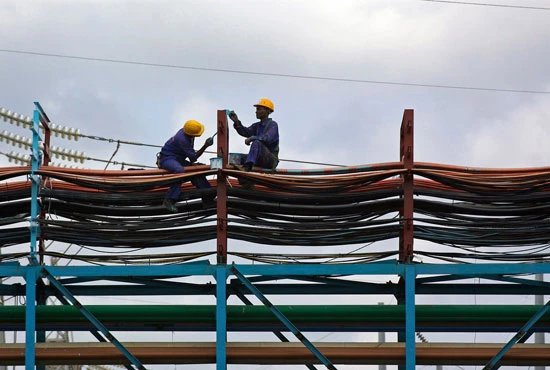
262	136
178	153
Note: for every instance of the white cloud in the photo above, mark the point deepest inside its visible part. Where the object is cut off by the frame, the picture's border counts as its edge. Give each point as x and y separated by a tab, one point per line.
518	138
323	121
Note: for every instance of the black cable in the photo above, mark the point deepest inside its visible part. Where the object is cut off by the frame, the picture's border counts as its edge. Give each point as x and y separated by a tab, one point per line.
320	78
487	4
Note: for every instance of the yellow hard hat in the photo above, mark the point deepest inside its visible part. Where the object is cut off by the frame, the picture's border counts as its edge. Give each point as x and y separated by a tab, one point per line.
265	103
193	128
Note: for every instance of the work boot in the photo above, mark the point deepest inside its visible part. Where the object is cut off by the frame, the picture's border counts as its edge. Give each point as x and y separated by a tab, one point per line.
170	205
247	167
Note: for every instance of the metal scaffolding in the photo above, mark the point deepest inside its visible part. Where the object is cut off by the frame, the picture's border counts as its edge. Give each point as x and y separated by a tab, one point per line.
497	216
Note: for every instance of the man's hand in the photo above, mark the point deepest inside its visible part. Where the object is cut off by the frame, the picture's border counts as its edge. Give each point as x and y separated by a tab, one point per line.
209	142
233	116
247	141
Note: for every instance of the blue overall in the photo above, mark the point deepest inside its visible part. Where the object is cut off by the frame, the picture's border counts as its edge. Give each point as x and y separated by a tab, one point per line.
264	148
176	154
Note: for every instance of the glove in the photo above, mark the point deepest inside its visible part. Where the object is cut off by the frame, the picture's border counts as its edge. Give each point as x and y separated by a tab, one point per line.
209	142
233	116
247	141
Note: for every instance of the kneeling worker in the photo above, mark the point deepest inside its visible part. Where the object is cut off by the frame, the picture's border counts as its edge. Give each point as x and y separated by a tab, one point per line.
262	136
178	153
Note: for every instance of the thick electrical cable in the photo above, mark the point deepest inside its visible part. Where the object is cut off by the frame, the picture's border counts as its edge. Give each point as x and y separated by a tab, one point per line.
471	213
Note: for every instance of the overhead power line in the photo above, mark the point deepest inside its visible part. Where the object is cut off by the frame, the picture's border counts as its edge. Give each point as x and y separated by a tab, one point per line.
352	80
487	4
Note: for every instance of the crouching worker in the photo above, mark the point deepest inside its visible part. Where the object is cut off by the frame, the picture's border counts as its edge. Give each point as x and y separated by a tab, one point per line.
262	136
178	153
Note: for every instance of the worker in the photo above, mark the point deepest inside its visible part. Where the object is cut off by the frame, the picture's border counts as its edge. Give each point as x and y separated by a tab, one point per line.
262	136
178	153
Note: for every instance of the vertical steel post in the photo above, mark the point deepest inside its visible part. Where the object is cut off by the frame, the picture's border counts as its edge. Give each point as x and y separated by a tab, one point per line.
381	339
406	236
30	317
539	301
223	145
35	182
45	162
410	317
221	317
406	156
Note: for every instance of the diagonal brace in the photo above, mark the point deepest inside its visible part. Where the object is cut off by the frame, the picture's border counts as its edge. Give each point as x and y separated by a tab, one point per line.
277	333
92	319
283	319
521	336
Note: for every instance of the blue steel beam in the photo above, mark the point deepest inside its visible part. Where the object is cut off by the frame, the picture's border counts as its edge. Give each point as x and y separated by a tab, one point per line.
221	318
505	279
30	319
35	182
410	317
376	268
92	318
31	275
383	288
283	319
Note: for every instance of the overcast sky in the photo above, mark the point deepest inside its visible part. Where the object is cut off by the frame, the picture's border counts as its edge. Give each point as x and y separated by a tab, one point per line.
395	43
483	58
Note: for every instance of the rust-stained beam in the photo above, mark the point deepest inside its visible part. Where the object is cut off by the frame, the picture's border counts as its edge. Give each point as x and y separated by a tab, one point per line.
277	353
221	209
406	156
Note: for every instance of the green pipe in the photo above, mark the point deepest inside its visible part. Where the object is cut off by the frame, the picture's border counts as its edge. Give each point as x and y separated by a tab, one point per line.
261	314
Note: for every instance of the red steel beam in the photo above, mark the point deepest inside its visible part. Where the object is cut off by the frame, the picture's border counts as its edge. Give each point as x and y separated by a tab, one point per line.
223	145
276	353
406	156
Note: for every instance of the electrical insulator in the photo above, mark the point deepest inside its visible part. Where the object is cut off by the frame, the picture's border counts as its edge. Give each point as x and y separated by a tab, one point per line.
55	129
24	159
12	117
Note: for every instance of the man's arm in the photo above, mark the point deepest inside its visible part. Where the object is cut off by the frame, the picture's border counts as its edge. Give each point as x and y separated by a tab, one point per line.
238	126
207	143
